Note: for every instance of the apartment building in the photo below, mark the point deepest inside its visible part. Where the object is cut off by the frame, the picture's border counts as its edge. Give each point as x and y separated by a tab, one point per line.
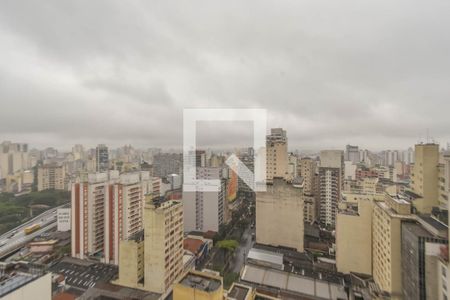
419	275
424	177
131	261
354	236
101	158
386	240
307	170
331	173
13	158
276	154
444	180
51	177
106	208
279	216
204	210
352	154
163	244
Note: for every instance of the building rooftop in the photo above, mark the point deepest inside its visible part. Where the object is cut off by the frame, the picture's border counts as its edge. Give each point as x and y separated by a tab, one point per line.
201	282
411	195
293	283
265	256
433	225
84	274
14	282
239	292
108	291
192	245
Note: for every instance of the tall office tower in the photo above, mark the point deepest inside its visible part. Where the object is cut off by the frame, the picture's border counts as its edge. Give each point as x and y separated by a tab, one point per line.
13	158
163	244
390	157
277	209
408	156
277	155
386	242
51	177
243	189
444	180
200	158
101	158
167	163
419	263
354	236
106	208
292	168
78	152
352	154
204	210
424	177
308	169
331	174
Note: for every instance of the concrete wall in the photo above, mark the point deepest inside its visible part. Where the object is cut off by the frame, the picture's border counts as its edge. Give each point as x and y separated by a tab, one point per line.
354	239
279	216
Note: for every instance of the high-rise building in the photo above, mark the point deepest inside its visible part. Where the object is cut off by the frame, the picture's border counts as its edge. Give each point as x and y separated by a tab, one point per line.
13	158
354	236
165	164
417	265
204	210
424	177
106	208
331	173
277	154
352	154
279	215
101	158
444	180
51	177
292	168
308	169
243	189
386	242
163	244
78	152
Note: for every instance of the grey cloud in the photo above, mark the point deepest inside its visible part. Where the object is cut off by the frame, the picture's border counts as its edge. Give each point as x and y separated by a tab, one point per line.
374	73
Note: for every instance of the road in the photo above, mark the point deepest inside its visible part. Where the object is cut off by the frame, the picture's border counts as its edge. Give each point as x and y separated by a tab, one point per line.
245	245
16	238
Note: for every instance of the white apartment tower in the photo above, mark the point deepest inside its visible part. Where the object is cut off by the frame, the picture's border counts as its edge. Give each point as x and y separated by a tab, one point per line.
106	208
204	210
331	174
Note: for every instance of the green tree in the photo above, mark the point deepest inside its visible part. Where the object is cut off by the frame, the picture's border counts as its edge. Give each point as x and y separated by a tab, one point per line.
227	247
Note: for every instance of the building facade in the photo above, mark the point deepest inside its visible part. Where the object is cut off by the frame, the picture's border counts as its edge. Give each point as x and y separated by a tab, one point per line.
277	154
204	210
279	216
51	177
163	245
331	173
424	177
107	208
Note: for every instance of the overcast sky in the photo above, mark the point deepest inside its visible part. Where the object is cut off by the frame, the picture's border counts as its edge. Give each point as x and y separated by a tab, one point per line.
373	73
